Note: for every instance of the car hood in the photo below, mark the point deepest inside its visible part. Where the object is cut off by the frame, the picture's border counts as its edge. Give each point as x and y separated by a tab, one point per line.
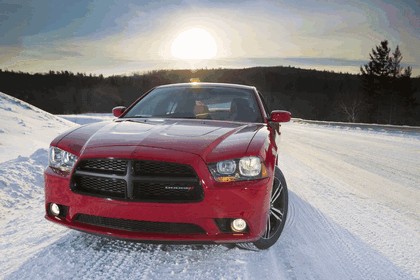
193	136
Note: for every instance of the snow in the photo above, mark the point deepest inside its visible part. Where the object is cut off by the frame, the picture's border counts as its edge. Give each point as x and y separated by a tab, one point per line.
88	118
353	212
25	128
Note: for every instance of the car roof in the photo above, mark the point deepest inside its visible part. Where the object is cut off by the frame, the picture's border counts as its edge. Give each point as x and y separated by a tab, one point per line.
208	85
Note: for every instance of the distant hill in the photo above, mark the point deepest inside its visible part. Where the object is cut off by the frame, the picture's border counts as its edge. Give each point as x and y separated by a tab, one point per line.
309	94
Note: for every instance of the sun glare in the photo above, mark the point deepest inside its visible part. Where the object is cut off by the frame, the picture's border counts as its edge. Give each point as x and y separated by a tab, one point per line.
195	43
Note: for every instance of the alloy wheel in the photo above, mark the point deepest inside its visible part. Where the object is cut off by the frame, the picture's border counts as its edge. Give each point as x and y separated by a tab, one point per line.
277	207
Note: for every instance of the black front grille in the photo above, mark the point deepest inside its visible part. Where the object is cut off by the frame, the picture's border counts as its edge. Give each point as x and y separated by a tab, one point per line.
137	180
162	169
104	166
140	226
101	186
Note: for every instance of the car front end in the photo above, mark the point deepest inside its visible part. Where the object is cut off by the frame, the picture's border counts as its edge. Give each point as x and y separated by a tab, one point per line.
139	193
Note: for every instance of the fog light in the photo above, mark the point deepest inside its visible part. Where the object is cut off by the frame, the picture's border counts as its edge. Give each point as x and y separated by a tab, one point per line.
55	209
238	225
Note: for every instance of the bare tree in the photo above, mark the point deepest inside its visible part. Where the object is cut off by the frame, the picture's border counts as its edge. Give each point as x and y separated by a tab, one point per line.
351	106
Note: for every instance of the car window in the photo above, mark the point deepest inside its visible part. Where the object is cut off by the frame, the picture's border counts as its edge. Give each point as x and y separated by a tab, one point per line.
217	103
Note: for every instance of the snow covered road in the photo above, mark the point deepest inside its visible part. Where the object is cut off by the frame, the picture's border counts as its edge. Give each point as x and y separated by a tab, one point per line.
353	214
363	189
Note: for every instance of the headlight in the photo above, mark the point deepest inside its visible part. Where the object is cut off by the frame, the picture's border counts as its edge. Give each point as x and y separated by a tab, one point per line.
61	159
246	168
226	167
249	166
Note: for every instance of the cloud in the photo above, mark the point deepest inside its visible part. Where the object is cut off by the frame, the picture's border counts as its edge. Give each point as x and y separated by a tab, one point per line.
101	35
7	53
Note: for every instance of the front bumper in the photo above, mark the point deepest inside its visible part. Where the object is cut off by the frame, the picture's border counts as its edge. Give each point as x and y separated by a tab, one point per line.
248	200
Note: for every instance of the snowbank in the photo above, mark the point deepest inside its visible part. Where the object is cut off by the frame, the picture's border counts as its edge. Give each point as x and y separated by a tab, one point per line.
88	118
25	128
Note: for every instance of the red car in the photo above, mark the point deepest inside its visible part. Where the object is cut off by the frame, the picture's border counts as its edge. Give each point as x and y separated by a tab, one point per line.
185	163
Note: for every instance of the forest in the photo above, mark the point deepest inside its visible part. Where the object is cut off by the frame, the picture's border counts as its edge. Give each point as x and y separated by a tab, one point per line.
308	94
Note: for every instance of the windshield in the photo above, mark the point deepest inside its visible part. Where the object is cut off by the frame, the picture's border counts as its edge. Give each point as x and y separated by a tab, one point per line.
216	103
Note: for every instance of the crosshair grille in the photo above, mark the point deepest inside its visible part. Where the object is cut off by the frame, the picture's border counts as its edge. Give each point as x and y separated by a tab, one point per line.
137	180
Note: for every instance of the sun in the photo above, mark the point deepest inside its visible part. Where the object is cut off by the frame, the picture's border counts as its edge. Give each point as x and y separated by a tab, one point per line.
195	43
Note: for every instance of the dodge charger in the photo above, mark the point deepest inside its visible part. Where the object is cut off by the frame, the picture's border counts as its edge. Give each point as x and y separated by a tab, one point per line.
185	163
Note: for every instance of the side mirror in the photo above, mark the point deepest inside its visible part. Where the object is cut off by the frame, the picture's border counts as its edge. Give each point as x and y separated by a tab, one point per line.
280	116
118	111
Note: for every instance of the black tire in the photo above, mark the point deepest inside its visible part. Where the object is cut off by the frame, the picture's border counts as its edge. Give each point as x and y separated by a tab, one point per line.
277	214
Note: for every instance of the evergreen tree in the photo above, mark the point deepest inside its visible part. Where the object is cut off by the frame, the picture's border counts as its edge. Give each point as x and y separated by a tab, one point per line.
380	61
387	86
395	63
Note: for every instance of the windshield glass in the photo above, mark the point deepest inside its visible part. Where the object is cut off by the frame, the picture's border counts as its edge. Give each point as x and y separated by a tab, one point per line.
216	103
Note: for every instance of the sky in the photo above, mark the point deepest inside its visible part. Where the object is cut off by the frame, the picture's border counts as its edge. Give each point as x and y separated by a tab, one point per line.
114	37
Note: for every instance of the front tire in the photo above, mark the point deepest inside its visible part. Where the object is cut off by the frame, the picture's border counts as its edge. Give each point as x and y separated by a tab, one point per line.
277	214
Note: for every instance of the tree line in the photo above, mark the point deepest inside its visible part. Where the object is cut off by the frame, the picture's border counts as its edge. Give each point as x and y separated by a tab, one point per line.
377	95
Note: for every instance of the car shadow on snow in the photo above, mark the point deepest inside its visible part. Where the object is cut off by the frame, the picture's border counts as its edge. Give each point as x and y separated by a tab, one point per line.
311	247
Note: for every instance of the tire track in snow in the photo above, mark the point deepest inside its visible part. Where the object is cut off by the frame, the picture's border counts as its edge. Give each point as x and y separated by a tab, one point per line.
83	256
104	257
317	248
387	229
